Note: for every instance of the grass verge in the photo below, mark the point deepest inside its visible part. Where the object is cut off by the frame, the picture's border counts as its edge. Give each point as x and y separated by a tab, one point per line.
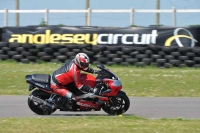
98	124
147	81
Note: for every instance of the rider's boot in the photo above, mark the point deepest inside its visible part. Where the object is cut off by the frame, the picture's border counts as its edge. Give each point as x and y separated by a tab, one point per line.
70	103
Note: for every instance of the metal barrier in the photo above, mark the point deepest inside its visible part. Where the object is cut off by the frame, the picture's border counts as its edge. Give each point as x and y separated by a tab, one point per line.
131	11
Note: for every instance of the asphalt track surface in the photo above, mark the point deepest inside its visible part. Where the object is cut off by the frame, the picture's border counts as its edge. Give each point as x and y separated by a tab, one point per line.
147	107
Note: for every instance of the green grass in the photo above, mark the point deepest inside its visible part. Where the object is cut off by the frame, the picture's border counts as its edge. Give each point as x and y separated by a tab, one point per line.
147	81
98	124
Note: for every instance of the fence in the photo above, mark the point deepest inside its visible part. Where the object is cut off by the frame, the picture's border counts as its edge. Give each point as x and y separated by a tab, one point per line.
131	11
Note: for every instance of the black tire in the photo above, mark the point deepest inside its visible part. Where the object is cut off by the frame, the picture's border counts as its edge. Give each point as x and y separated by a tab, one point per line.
184	49
147	61
196	50
148	52
117	60
161	53
61	58
168	65
3	44
29	46
98	48
183	58
133	54
40	54
72	46
103	59
106	52
4	57
76	51
197	59
141	49
141	56
12	53
175	53
47	58
169	49
120	101
169	57
127	50
182	65
112	56
154	47
2	52
110	63
140	64
63	50
131	60
125	56
124	64
119	53
190	54
25	60
89	53
32	58
196	66
34	51
113	48
189	63
14	45
174	62
154	56
71	54
25	53
56	46
17	57
55	54
20	49
96	62
160	60
34	107
41	46
56	61
48	50
5	49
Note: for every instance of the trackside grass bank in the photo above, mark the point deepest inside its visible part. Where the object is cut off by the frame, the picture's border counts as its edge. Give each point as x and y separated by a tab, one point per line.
98	124
147	81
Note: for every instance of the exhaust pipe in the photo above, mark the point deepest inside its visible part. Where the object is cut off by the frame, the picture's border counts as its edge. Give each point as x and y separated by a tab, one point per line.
40	101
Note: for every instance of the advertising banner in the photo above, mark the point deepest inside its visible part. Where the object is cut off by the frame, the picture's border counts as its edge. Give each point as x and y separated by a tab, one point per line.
137	36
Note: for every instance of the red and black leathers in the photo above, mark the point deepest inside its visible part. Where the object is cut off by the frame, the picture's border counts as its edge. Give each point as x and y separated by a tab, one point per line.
66	74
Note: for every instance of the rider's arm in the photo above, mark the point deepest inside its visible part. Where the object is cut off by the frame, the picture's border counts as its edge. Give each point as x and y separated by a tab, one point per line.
79	84
89	70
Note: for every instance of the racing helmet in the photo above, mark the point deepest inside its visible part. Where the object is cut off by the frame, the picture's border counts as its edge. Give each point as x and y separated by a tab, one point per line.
82	61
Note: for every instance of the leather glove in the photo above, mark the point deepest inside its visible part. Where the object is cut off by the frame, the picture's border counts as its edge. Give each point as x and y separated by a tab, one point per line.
93	90
96	71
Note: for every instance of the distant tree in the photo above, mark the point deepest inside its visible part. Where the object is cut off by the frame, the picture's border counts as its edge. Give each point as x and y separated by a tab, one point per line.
43	23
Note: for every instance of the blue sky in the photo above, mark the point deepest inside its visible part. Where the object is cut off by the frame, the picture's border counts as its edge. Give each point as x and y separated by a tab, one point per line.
102	19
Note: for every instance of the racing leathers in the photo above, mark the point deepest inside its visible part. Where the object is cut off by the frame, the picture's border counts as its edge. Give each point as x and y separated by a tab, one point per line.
66	74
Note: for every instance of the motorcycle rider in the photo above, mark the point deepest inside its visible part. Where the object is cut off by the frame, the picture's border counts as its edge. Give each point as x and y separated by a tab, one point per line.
68	73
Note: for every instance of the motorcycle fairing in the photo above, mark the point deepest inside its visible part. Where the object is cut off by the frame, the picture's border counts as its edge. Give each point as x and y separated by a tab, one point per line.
115	86
88	79
87	105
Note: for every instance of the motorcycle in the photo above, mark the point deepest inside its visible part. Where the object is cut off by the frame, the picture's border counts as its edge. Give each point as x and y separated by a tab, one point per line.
109	97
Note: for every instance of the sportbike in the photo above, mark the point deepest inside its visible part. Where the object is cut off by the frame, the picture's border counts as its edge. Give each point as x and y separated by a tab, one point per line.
109	95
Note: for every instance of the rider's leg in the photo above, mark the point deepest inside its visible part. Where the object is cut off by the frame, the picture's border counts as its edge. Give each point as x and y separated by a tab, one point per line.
69	97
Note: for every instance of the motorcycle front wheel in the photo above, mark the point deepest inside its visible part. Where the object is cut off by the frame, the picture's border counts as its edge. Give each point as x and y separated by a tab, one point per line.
35	107
117	105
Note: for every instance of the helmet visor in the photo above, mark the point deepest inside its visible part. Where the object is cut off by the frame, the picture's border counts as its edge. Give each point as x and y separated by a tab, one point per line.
84	65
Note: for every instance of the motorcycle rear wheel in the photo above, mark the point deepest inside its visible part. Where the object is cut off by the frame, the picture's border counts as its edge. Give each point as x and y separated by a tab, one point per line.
117	105
35	107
